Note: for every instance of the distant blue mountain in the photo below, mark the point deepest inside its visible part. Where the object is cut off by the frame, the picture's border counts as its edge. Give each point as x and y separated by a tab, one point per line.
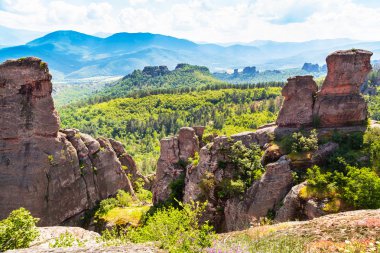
71	54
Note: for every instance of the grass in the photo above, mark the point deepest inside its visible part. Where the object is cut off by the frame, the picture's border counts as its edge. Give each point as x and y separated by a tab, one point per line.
260	239
126	215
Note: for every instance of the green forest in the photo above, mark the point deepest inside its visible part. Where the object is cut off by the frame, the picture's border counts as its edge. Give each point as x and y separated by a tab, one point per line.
140	123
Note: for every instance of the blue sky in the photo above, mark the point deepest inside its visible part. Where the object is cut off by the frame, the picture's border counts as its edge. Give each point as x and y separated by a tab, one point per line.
220	21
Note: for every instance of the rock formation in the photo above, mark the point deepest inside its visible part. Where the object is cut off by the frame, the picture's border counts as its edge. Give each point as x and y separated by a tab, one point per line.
154	71
262	197
297	109
309	67
54	174
339	102
175	152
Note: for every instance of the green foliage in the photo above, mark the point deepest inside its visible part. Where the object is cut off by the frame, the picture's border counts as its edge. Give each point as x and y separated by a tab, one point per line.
372	144
177	230
176	189
358	187
362	188
303	143
229	188
18	230
141	122
123	198
247	162
66	240
105	206
194	160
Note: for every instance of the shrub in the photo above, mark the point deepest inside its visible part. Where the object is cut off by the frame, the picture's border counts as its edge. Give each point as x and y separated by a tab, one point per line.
18	230
247	162
123	198
194	160
372	143
229	188
362	189
358	187
177	230
105	206
66	240
303	143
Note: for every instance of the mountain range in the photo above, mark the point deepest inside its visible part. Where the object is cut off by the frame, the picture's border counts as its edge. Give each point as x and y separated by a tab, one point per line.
73	55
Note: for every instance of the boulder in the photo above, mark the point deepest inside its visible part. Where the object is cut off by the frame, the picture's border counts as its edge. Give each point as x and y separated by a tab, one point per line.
54	174
297	109
339	102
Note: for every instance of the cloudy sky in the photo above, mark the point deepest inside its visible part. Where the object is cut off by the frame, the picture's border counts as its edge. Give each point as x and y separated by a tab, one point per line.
221	21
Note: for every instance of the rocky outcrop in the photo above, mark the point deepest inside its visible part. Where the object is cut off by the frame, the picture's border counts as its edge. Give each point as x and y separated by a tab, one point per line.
54	174
310	67
339	102
175	152
129	165
250	70
262	197
297	109
155	71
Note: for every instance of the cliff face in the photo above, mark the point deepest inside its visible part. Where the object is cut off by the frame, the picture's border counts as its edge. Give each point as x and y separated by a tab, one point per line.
55	174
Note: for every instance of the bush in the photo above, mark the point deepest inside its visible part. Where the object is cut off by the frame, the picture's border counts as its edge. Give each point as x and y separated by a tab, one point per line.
105	206
372	143
177	230
123	198
18	230
362	189
358	187
302	143
247	162
66	240
228	188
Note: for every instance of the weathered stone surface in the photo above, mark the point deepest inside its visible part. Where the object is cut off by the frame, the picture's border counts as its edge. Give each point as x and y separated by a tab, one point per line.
263	196
48	235
339	102
129	165
313	209
292	207
271	154
324	151
297	109
175	152
54	174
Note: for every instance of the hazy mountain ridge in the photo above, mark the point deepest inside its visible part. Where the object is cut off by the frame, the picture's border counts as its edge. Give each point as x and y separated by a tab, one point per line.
72	54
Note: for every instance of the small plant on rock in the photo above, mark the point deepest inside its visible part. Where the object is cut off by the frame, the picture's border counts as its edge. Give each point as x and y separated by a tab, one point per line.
18	230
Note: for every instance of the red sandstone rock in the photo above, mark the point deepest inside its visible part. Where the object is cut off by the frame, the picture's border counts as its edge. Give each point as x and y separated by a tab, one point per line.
347	70
56	175
297	109
175	152
339	102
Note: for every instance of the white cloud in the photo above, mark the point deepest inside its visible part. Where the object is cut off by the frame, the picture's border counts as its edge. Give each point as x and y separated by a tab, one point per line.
201	20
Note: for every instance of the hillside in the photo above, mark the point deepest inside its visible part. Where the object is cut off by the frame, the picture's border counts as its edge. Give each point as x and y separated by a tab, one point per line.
141	122
76	55
157	79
